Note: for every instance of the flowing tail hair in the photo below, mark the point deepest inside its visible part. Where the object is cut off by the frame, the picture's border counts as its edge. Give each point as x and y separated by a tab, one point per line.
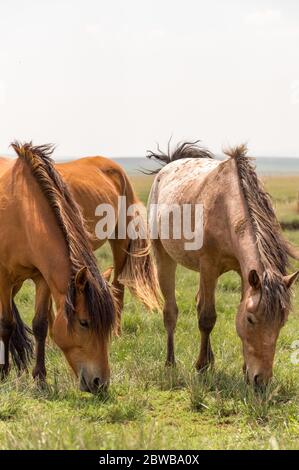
139	272
21	345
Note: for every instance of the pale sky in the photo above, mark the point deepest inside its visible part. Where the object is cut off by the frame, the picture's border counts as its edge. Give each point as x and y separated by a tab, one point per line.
114	77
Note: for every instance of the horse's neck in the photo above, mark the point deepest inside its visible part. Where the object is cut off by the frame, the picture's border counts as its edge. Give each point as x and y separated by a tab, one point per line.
246	252
53	262
242	234
55	269
46	248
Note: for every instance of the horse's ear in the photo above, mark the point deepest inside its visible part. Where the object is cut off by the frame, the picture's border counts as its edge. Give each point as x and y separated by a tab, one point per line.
81	279
289	280
254	279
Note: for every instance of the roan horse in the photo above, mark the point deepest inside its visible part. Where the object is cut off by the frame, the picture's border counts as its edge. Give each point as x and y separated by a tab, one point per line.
43	237
94	181
240	233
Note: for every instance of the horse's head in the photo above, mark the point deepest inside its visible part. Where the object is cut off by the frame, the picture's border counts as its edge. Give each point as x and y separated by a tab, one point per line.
262	313
82	330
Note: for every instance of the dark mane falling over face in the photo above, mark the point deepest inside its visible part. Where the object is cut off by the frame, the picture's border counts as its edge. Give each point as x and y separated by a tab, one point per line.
273	249
98	298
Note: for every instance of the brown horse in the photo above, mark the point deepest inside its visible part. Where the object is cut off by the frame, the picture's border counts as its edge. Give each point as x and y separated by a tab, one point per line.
94	181
43	237
240	233
99	180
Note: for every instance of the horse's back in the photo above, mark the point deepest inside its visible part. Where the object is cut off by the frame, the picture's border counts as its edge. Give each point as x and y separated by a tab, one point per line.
179	181
6	164
94	181
102	163
182	182
92	178
89	170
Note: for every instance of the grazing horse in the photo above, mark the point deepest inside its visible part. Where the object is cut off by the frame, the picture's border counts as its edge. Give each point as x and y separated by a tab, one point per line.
99	180
240	233
43	236
94	181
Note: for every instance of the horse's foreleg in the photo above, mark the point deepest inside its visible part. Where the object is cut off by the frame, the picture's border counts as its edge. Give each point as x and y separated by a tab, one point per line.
40	327
206	314
166	268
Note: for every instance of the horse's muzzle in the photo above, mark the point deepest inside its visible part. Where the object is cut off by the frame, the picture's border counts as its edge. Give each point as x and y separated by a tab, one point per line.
92	385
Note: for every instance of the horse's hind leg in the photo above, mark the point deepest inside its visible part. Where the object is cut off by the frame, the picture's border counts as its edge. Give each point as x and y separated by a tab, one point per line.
166	268
120	252
7	325
206	314
40	327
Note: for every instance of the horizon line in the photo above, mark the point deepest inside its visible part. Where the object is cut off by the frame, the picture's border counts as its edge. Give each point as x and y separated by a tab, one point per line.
76	157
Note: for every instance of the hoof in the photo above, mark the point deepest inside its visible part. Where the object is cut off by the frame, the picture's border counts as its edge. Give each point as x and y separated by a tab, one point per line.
39	376
40	382
171	363
41	385
204	366
4	371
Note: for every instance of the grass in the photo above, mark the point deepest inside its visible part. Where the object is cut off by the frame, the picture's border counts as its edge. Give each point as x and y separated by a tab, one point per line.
285	195
151	407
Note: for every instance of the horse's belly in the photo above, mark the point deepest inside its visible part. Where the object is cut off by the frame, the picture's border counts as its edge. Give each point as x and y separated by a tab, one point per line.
176	249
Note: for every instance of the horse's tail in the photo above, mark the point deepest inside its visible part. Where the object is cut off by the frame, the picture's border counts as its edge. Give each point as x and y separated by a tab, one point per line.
139	274
139	271
21	346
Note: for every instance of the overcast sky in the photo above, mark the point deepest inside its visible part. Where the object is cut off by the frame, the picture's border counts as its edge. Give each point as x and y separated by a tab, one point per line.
113	77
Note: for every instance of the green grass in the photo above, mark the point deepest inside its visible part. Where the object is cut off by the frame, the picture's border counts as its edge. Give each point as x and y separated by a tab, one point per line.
285	196
151	407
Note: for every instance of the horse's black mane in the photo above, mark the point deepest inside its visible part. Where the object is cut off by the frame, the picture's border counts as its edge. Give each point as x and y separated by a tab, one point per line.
182	150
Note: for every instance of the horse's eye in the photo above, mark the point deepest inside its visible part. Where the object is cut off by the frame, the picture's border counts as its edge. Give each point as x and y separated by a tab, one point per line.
84	323
250	320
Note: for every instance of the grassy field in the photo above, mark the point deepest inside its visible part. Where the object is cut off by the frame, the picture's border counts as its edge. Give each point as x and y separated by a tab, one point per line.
150	407
285	194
